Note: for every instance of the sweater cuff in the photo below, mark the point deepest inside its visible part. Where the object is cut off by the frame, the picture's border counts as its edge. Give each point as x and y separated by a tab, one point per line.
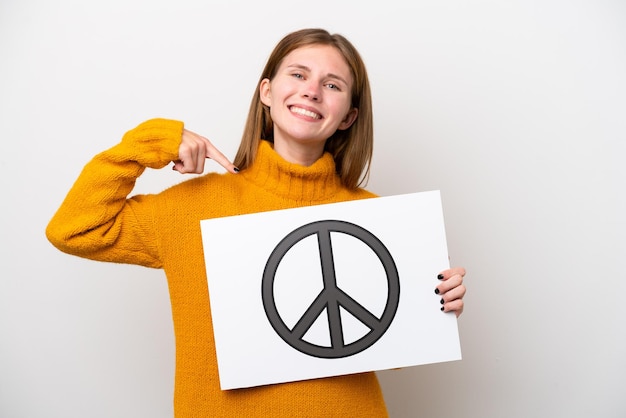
155	143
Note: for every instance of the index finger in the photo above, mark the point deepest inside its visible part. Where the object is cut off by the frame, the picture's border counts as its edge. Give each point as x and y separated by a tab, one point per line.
216	155
450	279
446	274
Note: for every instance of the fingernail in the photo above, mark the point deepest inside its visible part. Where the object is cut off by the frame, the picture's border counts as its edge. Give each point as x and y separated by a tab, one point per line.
440	276
236	170
442	309
441	301
436	291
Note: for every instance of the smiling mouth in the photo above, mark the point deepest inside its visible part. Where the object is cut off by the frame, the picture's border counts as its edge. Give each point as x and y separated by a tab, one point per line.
305	112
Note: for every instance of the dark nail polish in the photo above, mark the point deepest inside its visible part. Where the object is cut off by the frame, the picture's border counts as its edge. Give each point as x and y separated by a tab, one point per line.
436	291
441	301
440	276
236	170
442	309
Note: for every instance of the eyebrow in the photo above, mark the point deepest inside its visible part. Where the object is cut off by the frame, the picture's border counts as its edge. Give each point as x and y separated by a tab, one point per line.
330	75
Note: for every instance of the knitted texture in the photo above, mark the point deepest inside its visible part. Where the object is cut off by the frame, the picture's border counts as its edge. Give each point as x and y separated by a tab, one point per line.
98	221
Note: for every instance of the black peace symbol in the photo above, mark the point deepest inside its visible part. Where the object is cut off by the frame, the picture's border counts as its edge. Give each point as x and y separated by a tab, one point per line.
331	297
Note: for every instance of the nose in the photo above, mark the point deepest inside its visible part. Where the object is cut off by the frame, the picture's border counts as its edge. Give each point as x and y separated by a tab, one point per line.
311	91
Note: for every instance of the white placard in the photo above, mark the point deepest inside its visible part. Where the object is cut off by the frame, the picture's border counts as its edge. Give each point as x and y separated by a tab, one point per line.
328	290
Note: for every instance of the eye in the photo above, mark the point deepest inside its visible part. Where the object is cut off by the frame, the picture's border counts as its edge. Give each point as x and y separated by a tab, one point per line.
333	86
297	75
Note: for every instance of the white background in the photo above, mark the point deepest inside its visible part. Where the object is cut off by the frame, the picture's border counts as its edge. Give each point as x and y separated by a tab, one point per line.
515	110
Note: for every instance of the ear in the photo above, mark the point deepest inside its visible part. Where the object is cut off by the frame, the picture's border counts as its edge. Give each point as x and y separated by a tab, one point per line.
349	119
265	93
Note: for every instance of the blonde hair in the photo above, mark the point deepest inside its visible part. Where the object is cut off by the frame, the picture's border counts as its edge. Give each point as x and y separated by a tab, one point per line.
351	148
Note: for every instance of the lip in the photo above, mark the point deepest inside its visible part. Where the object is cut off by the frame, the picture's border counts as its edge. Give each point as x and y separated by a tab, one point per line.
318	115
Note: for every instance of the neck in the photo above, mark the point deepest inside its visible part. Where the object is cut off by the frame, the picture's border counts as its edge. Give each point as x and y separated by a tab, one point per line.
296	153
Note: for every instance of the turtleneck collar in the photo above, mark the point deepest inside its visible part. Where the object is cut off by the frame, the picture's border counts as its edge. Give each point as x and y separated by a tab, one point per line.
270	171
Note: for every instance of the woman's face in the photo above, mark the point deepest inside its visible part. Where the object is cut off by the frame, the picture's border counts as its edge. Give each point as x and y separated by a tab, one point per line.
309	99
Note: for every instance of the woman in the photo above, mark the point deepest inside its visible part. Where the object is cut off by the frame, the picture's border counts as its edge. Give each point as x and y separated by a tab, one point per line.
307	141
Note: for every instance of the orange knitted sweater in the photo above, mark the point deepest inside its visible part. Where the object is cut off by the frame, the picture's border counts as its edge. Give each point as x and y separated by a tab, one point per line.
98	221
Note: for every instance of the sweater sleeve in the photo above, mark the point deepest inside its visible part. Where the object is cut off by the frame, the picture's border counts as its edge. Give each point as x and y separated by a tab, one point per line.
97	220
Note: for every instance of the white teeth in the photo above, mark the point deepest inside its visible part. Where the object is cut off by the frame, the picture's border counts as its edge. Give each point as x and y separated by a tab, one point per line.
305	112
